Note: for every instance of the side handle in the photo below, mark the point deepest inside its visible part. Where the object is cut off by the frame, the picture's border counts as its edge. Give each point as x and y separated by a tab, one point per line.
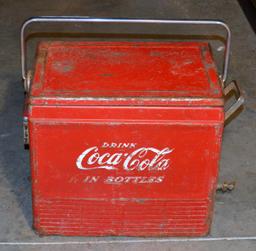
233	87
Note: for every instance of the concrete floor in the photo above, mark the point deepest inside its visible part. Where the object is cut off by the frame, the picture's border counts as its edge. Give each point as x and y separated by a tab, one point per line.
235	213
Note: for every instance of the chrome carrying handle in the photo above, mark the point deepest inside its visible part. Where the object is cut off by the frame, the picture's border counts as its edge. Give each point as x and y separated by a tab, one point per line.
80	19
227	91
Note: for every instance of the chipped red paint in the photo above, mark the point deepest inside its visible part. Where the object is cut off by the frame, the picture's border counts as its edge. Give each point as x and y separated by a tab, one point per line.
125	138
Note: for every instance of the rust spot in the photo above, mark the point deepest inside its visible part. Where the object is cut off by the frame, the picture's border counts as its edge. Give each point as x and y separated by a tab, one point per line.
140	201
106	75
41	56
118	54
155	54
63	66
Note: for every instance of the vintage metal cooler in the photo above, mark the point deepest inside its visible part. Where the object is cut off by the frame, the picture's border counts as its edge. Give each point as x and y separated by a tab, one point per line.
125	137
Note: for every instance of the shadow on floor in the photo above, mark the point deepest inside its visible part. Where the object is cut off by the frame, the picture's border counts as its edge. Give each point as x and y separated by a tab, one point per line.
13	158
249	9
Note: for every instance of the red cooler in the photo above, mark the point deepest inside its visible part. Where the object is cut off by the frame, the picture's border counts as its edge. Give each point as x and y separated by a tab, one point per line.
125	137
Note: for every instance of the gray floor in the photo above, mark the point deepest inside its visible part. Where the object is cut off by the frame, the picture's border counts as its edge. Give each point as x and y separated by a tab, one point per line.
235	213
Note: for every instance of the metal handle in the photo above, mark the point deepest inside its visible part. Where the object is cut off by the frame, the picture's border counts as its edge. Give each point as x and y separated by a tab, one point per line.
79	19
233	87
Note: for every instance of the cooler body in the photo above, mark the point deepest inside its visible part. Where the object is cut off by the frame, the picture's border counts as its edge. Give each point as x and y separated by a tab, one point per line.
142	171
139	158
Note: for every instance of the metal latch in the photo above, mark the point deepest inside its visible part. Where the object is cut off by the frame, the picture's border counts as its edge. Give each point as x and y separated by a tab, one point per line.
25	131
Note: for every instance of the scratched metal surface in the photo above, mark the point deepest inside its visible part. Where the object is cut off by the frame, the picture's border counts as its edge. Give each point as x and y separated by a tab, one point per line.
235	213
144	69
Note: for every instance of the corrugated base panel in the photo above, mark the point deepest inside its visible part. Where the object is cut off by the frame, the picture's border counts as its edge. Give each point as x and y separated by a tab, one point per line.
126	217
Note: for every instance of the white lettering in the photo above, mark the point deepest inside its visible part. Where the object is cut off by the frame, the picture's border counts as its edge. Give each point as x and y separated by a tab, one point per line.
144	158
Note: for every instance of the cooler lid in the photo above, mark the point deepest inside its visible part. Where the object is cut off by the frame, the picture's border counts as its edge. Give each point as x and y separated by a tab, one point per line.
125	73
